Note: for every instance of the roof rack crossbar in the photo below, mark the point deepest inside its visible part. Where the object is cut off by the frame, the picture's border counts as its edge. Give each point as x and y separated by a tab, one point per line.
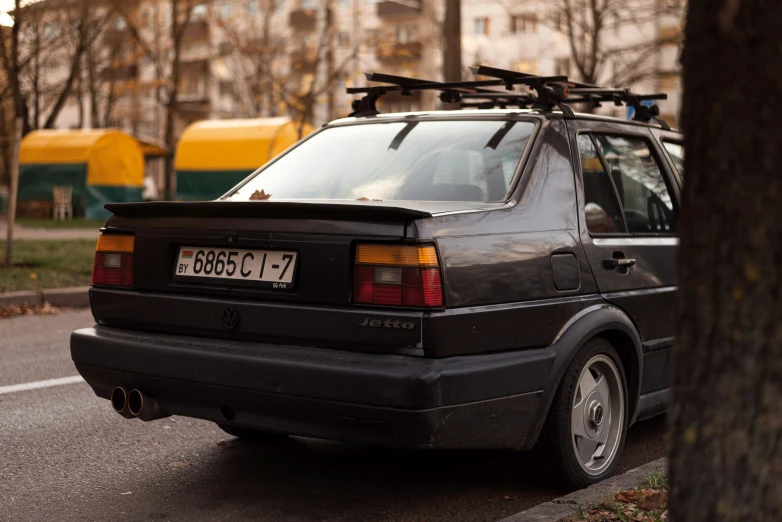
550	92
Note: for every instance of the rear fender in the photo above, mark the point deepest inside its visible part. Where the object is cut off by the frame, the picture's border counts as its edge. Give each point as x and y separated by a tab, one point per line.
599	320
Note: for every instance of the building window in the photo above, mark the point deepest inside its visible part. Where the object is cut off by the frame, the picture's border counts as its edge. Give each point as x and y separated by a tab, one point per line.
225	10
524	23
252	8
405	33
199	11
343	39
120	22
562	66
370	37
307	4
482	26
557	20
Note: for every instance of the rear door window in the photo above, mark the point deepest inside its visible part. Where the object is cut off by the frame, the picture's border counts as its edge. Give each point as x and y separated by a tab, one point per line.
676	153
624	188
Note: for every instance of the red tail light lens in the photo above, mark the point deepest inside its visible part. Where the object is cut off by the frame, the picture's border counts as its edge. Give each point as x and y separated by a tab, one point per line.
398	276
113	261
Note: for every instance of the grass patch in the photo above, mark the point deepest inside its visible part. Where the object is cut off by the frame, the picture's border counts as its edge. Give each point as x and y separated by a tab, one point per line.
38	265
655	480
73	223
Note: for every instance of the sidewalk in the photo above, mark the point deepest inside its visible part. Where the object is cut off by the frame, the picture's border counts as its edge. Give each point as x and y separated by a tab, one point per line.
70	297
561	509
22	232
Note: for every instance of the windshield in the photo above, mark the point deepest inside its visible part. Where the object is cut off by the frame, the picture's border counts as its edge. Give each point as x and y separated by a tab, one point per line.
411	160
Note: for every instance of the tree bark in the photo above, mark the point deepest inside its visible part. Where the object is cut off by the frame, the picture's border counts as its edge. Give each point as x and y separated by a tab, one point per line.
726	416
452	36
75	69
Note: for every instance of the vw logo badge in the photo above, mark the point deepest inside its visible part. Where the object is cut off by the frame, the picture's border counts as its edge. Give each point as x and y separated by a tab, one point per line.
230	317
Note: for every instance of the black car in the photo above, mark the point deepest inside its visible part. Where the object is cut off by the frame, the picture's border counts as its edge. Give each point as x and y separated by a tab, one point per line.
480	278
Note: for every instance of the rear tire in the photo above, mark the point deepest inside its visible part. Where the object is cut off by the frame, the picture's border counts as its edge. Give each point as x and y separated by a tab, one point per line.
585	430
252	435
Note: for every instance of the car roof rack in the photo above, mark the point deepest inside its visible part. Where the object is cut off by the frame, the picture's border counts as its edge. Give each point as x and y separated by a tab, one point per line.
550	92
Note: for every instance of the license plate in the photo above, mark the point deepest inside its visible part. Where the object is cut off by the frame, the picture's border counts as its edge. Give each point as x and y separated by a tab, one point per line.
268	268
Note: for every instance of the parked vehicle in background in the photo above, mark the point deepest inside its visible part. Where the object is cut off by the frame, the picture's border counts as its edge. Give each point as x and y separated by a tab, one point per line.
497	277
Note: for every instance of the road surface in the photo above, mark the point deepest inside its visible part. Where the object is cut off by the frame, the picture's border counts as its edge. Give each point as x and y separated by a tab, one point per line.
65	455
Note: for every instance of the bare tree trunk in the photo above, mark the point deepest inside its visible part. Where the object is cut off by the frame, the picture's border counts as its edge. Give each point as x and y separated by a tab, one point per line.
83	40
93	88
80	97
452	33
726	417
177	32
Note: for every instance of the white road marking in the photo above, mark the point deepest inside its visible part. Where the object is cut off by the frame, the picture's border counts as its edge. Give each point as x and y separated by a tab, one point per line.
48	383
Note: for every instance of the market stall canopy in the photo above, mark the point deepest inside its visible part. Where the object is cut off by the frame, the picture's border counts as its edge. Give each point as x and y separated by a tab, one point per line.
214	155
101	165
151	147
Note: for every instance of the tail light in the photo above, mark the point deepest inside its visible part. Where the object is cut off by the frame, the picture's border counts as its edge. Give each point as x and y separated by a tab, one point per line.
398	275
113	260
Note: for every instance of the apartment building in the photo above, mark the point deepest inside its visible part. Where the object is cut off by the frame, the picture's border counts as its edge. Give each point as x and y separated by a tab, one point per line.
246	58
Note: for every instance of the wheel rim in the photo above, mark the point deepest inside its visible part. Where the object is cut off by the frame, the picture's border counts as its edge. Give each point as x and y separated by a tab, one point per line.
597	418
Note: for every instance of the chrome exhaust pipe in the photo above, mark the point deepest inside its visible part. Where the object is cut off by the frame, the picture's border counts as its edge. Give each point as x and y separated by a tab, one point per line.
144	407
119	401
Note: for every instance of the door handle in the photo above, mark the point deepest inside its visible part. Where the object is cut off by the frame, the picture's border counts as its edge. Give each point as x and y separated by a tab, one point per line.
612	263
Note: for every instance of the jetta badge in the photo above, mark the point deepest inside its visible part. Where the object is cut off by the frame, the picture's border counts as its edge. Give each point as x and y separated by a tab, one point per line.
387	323
230	317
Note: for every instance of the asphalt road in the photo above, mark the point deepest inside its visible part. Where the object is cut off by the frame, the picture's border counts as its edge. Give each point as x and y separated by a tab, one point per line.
64	455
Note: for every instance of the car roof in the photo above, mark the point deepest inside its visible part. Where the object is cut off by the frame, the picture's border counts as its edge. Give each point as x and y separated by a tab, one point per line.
459	114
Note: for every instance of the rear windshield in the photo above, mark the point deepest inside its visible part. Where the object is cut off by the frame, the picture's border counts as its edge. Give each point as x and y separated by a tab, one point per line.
410	160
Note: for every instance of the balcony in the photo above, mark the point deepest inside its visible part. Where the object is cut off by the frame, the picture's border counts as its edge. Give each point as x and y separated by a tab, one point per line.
396	53
302	19
119	73
196	30
116	36
400	9
303	60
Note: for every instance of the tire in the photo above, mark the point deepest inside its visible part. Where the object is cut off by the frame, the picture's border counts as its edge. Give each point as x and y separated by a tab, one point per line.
567	444
251	435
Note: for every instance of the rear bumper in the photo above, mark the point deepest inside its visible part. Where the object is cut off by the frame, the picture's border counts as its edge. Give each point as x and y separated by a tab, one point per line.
459	402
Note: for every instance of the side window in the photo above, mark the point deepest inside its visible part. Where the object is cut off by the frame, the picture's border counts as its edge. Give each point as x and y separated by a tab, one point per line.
676	152
603	213
647	205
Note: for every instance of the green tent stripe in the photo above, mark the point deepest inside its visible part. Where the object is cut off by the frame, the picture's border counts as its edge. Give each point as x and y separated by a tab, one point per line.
205	185
37	182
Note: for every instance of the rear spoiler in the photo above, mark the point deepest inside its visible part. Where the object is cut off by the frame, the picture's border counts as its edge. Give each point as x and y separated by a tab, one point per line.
373	211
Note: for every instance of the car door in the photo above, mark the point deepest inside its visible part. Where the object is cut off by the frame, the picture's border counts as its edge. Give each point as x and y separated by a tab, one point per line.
628	204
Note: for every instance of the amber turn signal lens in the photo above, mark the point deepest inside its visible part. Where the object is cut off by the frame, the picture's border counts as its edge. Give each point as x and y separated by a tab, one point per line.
115	243
396	255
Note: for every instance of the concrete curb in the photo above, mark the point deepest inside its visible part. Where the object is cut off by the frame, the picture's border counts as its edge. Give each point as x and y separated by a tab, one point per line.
72	297
562	508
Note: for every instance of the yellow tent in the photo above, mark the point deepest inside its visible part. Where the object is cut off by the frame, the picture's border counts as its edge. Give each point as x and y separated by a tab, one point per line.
214	155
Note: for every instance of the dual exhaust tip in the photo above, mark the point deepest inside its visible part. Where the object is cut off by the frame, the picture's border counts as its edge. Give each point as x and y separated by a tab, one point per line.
135	404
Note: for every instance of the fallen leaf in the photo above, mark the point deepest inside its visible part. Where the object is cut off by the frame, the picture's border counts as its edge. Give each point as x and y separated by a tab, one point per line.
629	496
260	195
33	275
654	502
510	497
222	443
178	464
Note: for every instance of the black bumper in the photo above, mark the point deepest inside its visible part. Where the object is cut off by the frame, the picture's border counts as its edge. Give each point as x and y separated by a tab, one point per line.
407	401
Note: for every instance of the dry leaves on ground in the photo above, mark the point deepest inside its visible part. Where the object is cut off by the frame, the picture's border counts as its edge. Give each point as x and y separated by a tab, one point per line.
44	309
647	505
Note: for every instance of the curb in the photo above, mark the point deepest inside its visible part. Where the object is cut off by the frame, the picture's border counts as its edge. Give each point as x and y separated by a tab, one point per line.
71	297
562	508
